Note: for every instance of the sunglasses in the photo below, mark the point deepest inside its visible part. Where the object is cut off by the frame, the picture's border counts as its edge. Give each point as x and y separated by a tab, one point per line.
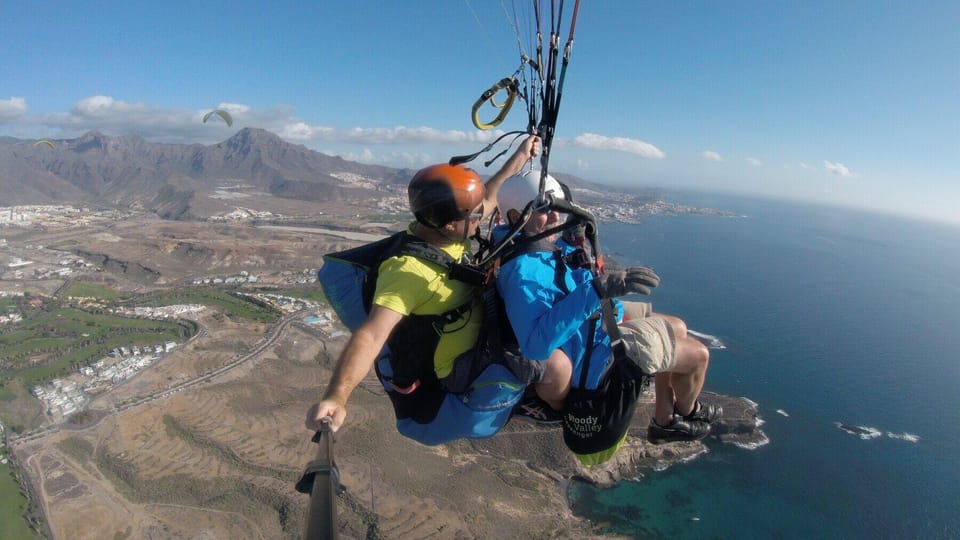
476	216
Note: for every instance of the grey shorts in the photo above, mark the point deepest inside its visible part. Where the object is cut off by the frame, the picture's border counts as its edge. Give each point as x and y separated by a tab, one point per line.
650	341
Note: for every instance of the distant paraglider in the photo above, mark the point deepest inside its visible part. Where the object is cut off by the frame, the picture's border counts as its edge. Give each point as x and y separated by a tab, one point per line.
221	113
43	141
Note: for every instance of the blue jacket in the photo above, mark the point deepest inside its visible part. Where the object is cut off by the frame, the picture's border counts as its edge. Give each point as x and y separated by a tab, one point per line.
545	317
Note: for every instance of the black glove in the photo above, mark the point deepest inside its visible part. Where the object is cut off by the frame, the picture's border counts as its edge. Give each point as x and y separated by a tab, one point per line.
636	279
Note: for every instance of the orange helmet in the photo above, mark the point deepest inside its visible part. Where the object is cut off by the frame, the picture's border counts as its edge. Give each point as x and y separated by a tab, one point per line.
443	193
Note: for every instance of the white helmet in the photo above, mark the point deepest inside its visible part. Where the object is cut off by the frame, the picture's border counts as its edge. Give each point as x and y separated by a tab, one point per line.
520	189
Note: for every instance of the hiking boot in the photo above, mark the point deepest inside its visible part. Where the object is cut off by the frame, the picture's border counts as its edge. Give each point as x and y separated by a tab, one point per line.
704	412
678	430
534	410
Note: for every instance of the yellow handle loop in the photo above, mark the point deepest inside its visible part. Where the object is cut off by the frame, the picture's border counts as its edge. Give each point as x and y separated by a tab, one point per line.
508	84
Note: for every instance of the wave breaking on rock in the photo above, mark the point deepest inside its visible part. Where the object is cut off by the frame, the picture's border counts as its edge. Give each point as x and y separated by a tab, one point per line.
867	433
712	342
864	432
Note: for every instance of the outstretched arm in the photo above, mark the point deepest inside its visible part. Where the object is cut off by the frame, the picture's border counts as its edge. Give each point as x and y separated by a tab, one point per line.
355	362
529	149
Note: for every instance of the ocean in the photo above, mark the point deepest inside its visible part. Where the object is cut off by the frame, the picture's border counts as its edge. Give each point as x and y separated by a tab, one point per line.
830	316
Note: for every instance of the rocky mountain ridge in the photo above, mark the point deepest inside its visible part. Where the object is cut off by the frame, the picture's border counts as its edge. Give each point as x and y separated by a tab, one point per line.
174	180
130	171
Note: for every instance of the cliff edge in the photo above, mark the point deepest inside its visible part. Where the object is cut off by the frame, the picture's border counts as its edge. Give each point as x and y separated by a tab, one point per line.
512	484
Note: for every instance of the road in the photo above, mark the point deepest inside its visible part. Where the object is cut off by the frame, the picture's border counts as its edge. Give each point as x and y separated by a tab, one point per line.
269	338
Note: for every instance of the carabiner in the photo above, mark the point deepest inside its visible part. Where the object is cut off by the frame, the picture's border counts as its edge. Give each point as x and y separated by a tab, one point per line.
508	84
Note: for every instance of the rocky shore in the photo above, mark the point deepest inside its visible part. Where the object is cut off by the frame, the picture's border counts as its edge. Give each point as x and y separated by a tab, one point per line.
511	485
739	426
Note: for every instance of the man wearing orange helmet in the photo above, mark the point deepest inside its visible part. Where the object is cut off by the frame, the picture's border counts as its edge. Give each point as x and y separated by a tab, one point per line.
448	202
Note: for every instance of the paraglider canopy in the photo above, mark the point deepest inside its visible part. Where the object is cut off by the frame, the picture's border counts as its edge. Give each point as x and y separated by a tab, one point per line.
43	141
221	113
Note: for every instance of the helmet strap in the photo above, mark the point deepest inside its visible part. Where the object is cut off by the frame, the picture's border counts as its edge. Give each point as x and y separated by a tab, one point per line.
440	236
458	238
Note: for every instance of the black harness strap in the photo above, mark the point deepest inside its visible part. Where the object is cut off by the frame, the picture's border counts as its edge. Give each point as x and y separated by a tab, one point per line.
605	315
414	341
511	246
613	330
585	370
431	253
426	251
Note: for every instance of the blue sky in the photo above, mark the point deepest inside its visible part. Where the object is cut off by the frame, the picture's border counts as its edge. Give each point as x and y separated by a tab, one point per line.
853	102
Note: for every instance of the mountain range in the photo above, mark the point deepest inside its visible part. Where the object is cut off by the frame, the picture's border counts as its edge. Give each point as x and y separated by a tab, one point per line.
127	171
174	180
169	179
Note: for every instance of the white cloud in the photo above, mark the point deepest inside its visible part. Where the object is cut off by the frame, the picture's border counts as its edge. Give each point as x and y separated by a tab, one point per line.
117	117
12	108
838	169
754	161
711	155
114	116
804	165
621	144
234	108
402	134
299	131
364	156
411	135
393	159
413	159
106	107
583	164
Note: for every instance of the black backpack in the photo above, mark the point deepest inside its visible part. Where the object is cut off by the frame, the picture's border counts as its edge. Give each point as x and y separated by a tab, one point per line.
349	281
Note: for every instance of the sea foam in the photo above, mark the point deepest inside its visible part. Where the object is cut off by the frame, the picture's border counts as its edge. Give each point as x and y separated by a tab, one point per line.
662	465
754	445
712	342
910	437
864	432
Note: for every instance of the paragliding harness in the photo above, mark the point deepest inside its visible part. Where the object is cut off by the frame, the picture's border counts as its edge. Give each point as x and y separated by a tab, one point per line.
597	413
596	419
406	365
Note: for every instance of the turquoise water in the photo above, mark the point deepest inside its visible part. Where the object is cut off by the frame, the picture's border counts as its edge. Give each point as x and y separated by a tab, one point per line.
830	316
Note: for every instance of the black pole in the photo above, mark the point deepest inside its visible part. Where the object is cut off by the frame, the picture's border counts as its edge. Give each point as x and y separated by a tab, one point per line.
322	516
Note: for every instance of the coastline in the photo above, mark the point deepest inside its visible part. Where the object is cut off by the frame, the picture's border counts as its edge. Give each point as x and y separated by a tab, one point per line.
534	454
523	475
515	483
